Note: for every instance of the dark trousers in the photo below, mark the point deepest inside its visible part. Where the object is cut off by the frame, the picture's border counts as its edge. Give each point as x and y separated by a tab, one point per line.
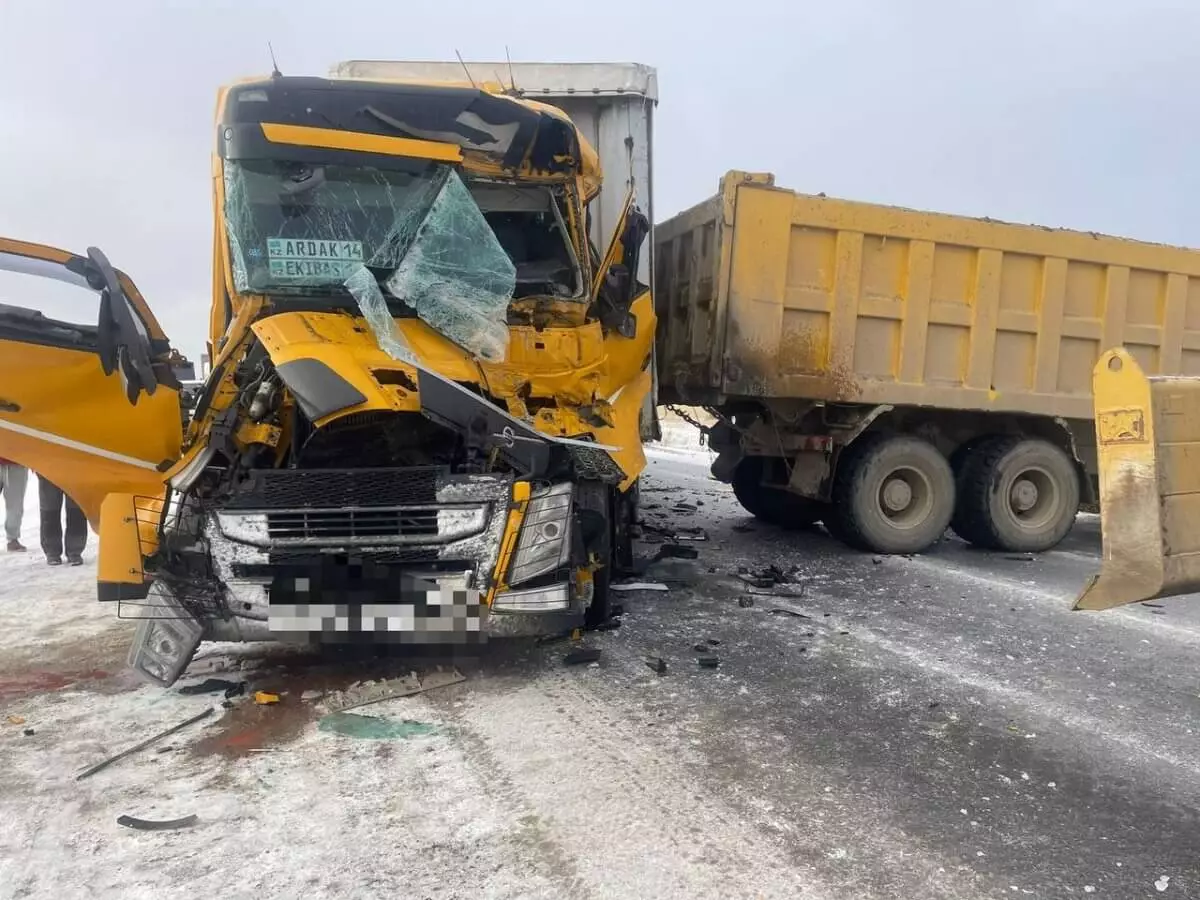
51	499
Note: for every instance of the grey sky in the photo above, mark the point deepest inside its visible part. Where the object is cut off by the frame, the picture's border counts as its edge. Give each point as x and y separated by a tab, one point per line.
1079	114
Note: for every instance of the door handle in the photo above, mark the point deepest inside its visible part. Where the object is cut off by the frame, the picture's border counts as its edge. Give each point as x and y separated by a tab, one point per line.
9	406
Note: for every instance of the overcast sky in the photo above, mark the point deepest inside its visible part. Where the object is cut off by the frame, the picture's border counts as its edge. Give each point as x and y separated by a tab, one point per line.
1078	113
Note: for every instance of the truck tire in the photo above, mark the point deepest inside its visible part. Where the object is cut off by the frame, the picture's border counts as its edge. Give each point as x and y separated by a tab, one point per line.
892	494
1016	494
775	506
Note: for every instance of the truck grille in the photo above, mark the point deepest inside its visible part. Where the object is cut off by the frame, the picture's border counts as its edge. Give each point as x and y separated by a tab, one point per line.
353	524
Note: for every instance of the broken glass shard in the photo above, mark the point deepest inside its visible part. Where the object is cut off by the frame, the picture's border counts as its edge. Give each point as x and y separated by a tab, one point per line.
456	276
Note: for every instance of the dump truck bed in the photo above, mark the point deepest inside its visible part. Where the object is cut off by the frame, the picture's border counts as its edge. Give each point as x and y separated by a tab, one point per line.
767	293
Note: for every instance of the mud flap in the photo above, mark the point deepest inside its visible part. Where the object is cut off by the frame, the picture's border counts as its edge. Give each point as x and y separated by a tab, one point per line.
166	640
1148	441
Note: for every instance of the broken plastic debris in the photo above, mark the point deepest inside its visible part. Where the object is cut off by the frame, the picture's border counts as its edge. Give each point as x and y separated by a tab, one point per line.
1162	883
582	655
16	720
708	662
363	694
657	664
263	698
640	586
157	825
457	276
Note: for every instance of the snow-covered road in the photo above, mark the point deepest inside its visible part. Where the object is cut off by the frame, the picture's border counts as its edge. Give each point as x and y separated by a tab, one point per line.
939	727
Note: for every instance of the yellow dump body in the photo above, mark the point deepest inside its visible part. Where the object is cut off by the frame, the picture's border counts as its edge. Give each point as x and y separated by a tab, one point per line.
767	293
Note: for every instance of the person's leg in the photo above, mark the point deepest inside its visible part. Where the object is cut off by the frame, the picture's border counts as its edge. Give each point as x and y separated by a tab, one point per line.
15	480
50	500
77	529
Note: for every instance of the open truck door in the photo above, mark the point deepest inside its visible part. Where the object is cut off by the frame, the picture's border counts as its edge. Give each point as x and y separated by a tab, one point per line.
93	407
1148	440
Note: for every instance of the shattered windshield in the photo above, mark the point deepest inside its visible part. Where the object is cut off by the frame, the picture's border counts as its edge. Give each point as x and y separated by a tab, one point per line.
454	254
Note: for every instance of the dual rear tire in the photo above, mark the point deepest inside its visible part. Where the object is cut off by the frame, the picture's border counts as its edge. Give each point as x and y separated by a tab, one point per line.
899	494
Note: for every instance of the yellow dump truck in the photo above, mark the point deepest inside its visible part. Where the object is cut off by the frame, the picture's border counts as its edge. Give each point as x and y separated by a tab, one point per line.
892	372
1148	433
429	383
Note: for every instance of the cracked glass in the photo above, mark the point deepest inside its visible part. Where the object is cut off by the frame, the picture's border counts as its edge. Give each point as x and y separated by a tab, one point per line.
417	237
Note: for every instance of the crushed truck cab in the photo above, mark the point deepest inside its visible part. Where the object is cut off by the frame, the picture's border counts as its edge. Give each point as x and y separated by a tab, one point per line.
423	420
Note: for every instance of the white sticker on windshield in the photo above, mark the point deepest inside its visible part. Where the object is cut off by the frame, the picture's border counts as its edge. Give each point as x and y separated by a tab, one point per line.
310	258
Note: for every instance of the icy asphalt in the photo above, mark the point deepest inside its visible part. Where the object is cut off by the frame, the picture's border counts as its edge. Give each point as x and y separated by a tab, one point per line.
935	727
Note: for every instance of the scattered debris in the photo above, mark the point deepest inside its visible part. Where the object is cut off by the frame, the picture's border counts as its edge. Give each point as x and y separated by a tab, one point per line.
1020	557
312	695
797	593
685	508
29	732
391	688
713	642
1162	883
657	664
675	551
142	746
157	825
373	728
1152	605
212	685
745	602
700	648
709	661
265	698
610	624
16	720
743	529
581	656
780	611
640	586
877	559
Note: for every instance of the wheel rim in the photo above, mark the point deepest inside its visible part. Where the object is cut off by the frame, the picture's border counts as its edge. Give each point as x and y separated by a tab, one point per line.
1032	497
905	497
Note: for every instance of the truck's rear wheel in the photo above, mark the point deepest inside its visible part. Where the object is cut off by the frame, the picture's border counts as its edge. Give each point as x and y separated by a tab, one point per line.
892	495
1016	494
773	505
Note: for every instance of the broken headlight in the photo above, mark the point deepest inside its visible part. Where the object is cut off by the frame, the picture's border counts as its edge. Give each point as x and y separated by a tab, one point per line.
544	543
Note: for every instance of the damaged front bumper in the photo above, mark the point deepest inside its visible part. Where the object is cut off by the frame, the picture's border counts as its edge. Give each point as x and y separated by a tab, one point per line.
417	556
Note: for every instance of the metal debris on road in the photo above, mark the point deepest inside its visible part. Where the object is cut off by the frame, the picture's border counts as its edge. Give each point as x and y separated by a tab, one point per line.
676	551
657	664
780	611
581	656
212	685
708	662
391	688
104	764
159	825
640	586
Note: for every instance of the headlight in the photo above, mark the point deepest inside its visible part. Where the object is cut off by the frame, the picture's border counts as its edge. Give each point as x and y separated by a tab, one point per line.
544	544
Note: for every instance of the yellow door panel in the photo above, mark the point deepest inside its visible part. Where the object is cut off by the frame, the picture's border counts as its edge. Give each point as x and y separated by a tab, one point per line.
61	415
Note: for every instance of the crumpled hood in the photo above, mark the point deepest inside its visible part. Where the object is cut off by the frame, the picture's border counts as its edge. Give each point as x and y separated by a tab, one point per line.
335	365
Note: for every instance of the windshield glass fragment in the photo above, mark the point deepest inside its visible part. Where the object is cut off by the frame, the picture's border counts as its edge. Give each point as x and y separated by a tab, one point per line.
365	290
456	276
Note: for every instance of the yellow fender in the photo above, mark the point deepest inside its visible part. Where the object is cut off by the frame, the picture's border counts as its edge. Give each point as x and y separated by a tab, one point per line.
1148	441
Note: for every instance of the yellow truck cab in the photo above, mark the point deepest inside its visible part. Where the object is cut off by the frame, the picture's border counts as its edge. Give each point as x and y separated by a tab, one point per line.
428	392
